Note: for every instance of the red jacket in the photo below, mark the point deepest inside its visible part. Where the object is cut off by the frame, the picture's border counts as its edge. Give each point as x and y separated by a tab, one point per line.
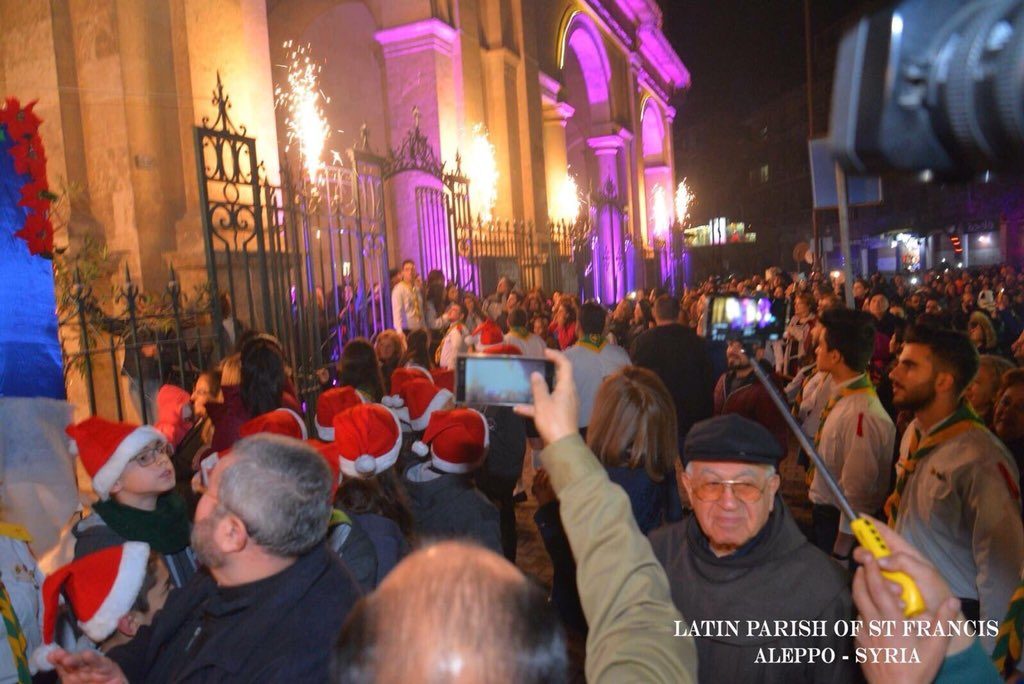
228	416
752	401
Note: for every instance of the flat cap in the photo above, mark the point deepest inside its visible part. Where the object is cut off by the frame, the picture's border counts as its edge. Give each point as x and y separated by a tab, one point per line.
731	438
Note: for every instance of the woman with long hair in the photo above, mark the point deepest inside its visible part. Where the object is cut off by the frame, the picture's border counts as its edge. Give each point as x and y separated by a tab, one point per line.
417	351
390	347
633	433
359	368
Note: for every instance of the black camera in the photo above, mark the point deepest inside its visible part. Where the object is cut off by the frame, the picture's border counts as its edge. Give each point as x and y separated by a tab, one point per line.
933	87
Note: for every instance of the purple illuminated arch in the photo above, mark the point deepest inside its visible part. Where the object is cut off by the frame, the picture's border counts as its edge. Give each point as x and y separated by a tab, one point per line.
584	39
653	132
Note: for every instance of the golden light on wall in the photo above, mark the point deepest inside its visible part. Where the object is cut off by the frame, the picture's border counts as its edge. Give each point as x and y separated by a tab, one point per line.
660	218
303	103
480	166
565	205
684	201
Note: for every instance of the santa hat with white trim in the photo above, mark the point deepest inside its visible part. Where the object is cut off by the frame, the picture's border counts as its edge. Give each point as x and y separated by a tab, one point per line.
331	403
280	421
401	376
329	452
416	402
487	334
368	438
105	448
456	440
101	587
503	350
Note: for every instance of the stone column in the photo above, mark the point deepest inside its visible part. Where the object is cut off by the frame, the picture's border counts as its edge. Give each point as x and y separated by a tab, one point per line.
418	59
610	267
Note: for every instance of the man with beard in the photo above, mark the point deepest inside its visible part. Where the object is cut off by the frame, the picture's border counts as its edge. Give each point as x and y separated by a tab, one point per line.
274	598
956	497
739	391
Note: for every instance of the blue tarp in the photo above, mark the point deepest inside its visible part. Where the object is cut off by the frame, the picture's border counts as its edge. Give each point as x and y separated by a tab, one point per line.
30	359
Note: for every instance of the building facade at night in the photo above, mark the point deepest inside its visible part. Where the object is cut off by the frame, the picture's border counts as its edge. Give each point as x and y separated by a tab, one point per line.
564	89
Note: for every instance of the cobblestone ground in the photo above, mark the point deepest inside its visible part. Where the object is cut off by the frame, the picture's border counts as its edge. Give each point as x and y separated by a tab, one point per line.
533	560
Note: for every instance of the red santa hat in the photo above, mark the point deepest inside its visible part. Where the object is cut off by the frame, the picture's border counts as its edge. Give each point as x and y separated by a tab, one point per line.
280	421
102	587
444	378
456	440
105	448
487	334
402	375
329	450
416	402
367	438
173	411
331	403
506	349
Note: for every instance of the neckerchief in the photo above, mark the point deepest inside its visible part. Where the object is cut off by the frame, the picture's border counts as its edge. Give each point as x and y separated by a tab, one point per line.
519	332
861	385
15	636
962	420
594	343
1007	652
166	529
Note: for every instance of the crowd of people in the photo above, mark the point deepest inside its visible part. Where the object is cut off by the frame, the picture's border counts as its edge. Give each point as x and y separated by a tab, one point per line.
235	540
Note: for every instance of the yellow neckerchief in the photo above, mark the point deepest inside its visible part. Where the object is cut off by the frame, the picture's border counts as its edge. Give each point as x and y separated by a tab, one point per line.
15	532
594	343
860	385
962	420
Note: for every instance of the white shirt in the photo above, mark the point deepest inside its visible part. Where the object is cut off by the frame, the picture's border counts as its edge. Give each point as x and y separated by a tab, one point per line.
961	510
816	394
531	345
23	580
857	445
453	344
406	307
589	369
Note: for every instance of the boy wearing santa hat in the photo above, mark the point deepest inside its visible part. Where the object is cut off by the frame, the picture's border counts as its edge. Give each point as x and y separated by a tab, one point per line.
109	594
131	471
445	502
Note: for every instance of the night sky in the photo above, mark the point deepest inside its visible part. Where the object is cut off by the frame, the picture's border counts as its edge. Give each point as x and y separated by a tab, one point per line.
743	52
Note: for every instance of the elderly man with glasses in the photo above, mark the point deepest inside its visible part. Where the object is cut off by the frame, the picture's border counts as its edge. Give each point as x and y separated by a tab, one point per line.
750	585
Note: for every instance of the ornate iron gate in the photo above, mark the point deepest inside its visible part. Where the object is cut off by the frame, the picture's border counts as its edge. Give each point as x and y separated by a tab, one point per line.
308	259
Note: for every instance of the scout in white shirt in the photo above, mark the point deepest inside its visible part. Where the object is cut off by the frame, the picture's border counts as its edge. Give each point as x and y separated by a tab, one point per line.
956	497
855	435
593	358
528	343
454	342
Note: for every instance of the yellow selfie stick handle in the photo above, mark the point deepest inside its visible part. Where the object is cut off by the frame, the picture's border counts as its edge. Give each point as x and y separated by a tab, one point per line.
869	538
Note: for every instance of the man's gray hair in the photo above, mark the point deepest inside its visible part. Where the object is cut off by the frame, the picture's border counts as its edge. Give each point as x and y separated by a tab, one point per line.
280	488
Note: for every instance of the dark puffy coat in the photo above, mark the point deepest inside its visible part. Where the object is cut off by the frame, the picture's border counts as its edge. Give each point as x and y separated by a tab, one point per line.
280	630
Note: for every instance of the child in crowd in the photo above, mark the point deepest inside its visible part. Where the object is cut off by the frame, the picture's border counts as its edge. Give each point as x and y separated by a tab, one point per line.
109	595
445	502
132	475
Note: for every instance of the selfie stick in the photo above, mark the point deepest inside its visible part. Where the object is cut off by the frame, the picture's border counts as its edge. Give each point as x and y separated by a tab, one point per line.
862	528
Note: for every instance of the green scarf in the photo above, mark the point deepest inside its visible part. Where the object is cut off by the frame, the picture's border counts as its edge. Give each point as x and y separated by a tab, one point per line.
166	529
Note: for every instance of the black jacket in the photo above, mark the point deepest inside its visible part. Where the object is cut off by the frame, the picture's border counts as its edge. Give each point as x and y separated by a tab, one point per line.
280	629
679	357
778	575
450	507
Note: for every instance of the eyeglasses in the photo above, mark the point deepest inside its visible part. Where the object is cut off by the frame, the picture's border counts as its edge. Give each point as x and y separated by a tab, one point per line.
152	454
747	492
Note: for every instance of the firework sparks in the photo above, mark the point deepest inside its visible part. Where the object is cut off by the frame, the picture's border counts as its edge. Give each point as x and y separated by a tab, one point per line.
303	101
684	200
480	166
565	205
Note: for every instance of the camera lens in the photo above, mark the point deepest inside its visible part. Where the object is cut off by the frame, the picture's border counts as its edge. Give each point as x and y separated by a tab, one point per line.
977	90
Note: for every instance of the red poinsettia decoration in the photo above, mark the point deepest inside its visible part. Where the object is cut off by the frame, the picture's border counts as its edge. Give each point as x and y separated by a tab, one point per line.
22	126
